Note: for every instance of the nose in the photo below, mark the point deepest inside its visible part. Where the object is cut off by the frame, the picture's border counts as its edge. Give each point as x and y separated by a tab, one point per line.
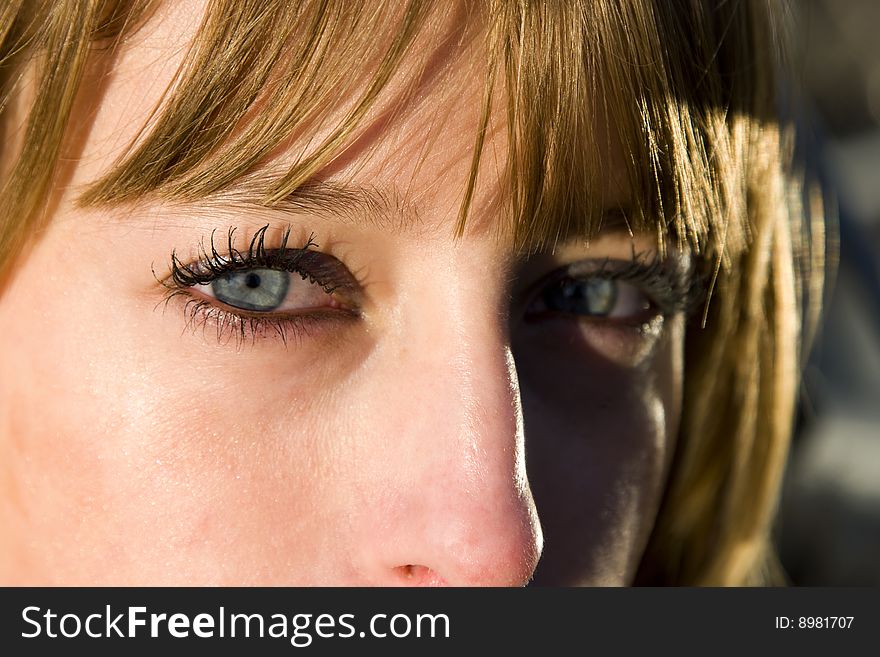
452	505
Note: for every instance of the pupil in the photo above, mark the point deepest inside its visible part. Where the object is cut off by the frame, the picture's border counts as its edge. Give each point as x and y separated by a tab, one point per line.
252	280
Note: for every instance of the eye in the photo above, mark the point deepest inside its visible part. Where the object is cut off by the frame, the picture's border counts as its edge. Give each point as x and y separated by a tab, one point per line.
267	290
593	296
288	293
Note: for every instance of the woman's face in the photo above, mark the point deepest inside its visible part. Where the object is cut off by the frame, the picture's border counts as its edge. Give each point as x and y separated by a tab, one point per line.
450	412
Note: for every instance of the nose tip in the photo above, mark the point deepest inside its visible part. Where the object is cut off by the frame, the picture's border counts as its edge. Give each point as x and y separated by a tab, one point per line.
497	549
464	515
465	544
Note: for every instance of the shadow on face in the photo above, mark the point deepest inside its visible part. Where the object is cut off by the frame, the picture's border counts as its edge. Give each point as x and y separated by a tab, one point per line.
335	389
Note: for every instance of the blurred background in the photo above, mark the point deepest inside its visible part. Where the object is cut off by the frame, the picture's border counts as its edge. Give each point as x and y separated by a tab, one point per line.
829	526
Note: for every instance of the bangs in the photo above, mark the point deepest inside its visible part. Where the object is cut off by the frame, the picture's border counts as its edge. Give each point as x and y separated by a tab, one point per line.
662	113
672	94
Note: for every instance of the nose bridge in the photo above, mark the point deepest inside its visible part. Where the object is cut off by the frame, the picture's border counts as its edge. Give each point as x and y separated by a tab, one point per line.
460	355
458	509
478	381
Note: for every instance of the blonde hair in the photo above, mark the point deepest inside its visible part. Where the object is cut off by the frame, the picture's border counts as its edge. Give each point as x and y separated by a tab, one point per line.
691	87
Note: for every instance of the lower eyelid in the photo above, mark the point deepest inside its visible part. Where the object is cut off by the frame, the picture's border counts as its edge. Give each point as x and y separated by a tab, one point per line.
227	324
318	313
624	343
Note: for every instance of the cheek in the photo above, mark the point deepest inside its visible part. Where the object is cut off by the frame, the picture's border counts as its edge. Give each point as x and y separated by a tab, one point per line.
599	440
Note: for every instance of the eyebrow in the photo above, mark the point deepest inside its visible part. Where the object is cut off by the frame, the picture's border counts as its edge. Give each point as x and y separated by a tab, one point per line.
383	208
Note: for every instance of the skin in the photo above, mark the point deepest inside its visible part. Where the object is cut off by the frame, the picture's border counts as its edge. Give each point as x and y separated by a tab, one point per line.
438	437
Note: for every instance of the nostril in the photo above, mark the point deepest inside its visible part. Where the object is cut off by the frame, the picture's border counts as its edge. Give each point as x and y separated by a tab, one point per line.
416	575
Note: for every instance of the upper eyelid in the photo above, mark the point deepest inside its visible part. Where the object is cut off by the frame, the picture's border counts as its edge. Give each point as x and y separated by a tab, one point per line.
211	260
607	267
614	265
638	268
229	257
308	265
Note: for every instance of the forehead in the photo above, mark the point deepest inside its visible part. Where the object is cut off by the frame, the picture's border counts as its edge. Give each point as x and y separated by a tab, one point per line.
444	101
419	130
122	92
135	86
539	103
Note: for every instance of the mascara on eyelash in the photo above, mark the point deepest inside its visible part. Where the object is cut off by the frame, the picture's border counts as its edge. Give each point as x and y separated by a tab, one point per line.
239	327
671	288
211	264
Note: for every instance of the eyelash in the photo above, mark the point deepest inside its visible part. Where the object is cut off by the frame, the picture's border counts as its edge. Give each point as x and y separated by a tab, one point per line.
209	266
672	289
669	288
242	324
